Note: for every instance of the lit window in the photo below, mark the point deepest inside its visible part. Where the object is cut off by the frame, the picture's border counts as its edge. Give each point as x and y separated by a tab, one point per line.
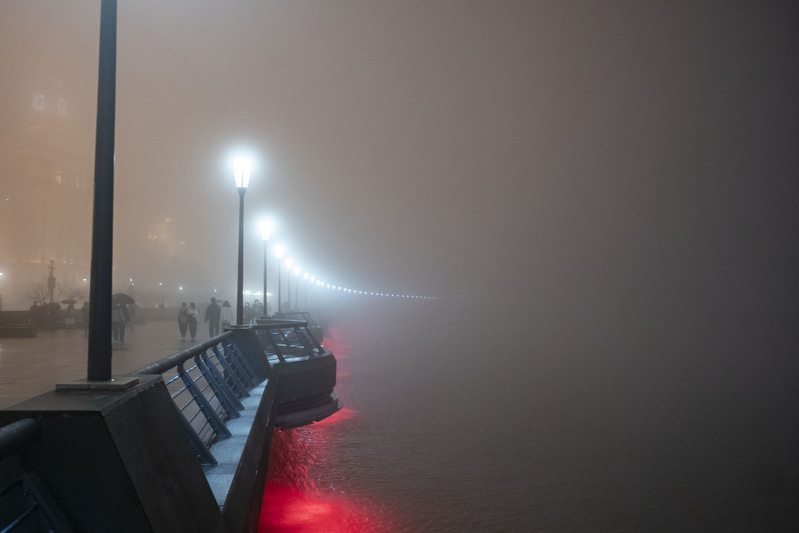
38	102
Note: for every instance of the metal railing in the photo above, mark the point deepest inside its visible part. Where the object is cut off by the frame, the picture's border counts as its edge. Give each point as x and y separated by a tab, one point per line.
206	382
283	340
303	316
25	504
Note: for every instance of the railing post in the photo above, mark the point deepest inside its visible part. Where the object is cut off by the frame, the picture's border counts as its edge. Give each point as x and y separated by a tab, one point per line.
231	375
225	395
203	453
234	352
300	331
271	340
202	404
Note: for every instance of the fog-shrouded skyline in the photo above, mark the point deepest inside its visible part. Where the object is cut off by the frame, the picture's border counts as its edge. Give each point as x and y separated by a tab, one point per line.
643	153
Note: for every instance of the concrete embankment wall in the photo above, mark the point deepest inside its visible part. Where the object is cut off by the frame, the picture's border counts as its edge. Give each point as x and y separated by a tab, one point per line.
122	461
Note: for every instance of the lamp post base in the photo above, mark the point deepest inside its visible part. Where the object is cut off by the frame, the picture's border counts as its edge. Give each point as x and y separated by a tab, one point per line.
118	383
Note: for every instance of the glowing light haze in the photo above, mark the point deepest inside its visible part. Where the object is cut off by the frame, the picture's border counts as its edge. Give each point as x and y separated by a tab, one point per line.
567	151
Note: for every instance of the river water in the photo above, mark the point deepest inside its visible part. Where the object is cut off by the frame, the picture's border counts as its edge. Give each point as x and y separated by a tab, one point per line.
459	422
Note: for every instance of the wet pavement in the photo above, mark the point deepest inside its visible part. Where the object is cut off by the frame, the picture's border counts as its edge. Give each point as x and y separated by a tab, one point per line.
32	366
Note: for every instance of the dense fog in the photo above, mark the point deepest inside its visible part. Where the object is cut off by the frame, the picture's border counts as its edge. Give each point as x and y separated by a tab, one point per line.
595	202
625	158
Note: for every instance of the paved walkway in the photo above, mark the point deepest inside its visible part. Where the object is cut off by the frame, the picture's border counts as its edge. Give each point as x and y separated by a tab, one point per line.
29	367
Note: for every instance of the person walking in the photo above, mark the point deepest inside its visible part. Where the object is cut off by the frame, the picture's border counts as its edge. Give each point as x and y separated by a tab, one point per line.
227	315
194	317
213	313
69	316
119	317
183	320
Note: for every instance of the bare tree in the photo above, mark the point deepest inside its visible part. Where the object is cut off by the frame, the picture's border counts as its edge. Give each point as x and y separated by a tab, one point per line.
38	291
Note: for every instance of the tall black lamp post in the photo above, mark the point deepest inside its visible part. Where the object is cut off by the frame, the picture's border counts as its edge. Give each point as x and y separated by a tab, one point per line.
279	250
241	170
296	288
103	208
289	263
266	229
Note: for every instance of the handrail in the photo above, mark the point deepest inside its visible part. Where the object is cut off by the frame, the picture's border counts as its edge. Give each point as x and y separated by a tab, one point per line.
17	436
207	380
280	322
287	338
205	383
26	503
163	365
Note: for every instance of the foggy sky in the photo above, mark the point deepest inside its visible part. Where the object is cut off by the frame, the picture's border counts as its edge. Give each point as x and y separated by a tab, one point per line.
565	152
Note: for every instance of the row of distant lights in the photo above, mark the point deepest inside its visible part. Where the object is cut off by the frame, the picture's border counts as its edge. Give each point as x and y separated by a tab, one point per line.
319	283
370	293
266	227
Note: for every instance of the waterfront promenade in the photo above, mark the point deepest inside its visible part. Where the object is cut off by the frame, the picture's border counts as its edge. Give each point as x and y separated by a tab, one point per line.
32	366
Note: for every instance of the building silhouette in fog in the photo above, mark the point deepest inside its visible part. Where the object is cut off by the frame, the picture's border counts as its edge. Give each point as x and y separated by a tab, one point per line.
46	195
45	202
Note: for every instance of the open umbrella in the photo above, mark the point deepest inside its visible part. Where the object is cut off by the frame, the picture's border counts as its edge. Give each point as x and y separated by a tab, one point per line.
122	298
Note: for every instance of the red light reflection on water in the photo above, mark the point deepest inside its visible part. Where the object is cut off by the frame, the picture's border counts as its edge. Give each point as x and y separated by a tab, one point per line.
345	413
288	509
293	503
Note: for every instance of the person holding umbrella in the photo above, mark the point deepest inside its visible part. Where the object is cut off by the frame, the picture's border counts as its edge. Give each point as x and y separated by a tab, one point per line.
69	314
119	315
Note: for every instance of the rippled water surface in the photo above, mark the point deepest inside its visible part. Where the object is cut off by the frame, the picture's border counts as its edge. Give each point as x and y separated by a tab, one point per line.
457	421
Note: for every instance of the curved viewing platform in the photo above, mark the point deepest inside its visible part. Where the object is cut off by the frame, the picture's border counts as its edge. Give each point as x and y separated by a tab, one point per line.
305	368
314	323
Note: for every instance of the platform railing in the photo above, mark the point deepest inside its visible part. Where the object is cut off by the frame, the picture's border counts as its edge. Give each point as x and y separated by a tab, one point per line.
206	383
303	316
283	340
25	504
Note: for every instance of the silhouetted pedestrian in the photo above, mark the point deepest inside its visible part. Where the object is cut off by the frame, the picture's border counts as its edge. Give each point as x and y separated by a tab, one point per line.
212	315
193	316
69	316
119	316
227	315
183	320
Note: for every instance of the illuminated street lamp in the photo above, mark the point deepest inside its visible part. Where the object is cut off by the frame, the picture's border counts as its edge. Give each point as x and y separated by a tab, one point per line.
296	288
241	171
289	263
279	251
266	229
